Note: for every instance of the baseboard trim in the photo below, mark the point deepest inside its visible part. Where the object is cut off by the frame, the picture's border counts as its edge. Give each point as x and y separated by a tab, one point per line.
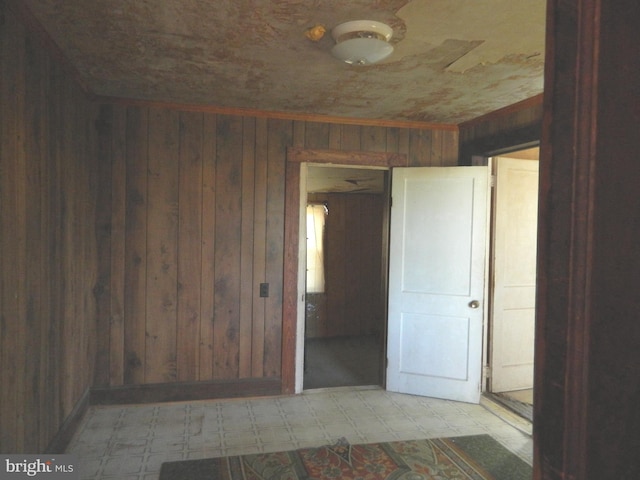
60	442
185	391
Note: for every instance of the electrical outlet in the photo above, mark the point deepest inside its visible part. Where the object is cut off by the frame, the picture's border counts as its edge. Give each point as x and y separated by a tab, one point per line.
264	289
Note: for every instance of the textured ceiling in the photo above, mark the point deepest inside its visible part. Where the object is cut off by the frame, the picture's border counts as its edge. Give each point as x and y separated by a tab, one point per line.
453	61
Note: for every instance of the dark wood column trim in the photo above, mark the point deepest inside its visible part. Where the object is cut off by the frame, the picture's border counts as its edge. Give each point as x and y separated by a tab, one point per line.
564	264
587	379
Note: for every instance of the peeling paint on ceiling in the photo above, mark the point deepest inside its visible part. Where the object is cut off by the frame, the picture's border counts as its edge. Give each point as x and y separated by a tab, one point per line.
453	61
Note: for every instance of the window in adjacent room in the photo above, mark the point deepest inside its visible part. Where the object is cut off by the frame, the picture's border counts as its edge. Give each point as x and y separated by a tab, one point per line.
316	214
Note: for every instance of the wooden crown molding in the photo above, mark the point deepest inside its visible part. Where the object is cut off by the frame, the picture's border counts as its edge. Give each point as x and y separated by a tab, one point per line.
280	115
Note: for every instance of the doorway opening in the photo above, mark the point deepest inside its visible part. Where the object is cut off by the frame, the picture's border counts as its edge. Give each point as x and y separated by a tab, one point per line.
346	269
512	281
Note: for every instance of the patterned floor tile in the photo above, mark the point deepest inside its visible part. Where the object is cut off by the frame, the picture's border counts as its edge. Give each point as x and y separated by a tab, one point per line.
132	442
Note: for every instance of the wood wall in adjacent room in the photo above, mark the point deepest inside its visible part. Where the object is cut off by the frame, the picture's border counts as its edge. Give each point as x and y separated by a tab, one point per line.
353	302
48	268
197	224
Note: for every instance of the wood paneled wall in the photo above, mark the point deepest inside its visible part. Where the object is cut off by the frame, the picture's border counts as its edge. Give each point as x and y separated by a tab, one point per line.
196	221
518	125
48	194
134	239
353	302
196	225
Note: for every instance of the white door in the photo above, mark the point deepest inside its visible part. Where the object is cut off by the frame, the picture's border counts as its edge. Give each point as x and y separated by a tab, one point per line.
514	274
436	281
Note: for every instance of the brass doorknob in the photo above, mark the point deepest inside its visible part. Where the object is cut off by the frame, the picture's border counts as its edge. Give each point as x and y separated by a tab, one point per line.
474	304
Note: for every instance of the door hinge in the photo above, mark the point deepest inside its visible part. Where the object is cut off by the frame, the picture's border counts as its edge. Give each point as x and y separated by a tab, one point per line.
492	181
486	371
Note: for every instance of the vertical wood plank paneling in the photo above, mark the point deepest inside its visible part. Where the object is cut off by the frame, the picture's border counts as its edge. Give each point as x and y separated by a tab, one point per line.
260	244
20	227
337	265
393	140
437	141
280	137
227	257
207	278
352	310
45	394
48	266
419	148
353	292
241	222
404	141
104	235
65	288
135	280
11	127
162	245
335	136
94	189
351	138
71	252
189	260
374	139
316	135
55	201
299	134
369	262
117	253
247	290
450	149
35	163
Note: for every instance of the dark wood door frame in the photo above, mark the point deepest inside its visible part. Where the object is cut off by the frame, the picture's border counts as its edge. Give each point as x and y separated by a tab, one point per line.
295	157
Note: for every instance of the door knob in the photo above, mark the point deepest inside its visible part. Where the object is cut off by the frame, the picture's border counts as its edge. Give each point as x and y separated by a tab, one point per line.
474	304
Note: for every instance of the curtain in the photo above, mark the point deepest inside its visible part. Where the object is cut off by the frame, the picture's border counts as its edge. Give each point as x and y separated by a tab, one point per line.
315	247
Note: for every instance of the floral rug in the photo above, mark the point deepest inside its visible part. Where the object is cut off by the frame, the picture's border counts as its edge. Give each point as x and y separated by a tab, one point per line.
475	457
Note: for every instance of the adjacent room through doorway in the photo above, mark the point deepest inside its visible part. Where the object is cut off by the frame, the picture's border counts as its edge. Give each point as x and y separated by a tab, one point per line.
345	297
513	280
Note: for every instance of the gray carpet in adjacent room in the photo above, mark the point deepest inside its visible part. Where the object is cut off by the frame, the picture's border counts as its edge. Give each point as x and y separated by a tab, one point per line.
342	361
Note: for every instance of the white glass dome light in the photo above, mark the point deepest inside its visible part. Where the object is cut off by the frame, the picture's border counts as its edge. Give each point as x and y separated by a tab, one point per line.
362	42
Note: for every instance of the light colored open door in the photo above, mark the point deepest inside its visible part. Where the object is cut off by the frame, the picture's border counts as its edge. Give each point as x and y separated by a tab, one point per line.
514	274
436	281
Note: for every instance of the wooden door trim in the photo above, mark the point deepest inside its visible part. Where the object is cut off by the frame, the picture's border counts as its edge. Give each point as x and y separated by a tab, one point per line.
290	294
586	381
340	157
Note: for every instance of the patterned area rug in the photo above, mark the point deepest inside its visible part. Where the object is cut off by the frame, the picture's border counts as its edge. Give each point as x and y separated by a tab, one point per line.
475	457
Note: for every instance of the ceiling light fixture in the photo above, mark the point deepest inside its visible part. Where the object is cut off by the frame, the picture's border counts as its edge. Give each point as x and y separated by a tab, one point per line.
362	42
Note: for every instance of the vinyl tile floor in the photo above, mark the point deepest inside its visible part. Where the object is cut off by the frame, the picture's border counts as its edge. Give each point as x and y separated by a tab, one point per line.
131	442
